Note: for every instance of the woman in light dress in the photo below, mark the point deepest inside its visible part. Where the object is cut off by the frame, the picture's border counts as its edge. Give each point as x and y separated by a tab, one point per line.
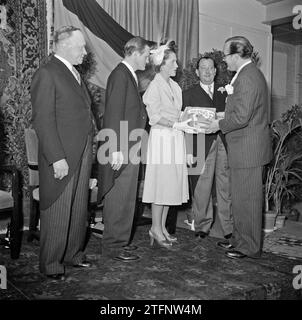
166	177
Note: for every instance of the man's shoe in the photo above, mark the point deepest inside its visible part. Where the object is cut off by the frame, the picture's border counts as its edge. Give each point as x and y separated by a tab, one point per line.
201	234
83	264
130	247
233	254
56	276
97	229
228	236
226	245
126	257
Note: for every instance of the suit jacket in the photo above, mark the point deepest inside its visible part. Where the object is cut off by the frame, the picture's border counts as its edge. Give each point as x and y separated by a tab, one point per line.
122	103
197	97
246	120
61	117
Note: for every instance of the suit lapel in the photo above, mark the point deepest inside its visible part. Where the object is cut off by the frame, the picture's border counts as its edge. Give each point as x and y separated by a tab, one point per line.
241	73
218	97
80	89
132	79
86	93
243	70
204	95
130	75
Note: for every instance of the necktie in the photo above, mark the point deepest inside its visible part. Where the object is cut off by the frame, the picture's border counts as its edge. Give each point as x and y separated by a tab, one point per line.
210	93
76	74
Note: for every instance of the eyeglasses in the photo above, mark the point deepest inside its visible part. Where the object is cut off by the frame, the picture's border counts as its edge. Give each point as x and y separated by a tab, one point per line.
225	55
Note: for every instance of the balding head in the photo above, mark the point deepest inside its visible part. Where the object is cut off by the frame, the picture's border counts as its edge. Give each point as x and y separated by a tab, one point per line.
70	44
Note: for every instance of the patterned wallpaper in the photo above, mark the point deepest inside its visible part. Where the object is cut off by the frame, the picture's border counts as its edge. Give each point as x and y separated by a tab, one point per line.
23	43
31	42
23	47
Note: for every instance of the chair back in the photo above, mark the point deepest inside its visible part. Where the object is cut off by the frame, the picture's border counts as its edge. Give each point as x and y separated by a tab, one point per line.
31	143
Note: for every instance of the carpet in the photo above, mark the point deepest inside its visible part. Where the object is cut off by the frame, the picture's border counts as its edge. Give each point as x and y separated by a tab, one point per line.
192	270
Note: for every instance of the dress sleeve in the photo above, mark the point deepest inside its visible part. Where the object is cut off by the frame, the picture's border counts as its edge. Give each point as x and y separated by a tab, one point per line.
152	100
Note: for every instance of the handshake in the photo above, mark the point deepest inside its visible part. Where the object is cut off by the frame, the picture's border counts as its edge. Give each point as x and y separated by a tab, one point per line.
209	126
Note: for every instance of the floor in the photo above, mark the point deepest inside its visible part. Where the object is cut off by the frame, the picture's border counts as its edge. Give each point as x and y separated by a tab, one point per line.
192	270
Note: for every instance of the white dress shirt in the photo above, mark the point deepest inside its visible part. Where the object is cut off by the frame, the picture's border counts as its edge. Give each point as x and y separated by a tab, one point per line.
209	89
69	66
131	70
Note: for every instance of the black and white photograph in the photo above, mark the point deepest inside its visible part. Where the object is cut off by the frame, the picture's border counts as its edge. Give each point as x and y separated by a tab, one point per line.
150	158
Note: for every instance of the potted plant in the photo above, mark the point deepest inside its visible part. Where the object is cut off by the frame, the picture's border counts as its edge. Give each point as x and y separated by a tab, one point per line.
284	172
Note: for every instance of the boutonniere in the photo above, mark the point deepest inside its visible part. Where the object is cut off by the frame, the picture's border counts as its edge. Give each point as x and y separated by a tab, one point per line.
221	89
229	89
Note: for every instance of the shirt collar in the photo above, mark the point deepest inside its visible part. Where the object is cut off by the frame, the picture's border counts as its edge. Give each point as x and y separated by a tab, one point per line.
131	70
239	69
67	63
206	86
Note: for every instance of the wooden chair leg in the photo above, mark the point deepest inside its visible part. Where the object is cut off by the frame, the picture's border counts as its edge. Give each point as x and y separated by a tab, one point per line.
15	238
33	220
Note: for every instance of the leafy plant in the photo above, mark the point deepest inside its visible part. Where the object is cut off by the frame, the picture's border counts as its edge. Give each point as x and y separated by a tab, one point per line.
284	172
87	68
223	75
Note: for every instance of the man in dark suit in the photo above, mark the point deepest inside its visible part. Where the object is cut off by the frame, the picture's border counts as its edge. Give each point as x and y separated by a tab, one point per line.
124	114
249	146
62	119
215	170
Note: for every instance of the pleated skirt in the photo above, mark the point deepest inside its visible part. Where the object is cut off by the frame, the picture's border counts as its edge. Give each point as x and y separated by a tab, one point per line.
166	176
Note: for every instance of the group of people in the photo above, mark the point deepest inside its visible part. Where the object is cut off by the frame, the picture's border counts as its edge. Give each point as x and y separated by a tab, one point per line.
237	146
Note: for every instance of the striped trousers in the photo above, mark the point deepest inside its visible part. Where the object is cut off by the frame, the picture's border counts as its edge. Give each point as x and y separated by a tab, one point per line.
216	167
63	225
247	207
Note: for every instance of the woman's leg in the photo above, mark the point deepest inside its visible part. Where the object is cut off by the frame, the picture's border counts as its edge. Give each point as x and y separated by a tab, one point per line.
157	213
163	220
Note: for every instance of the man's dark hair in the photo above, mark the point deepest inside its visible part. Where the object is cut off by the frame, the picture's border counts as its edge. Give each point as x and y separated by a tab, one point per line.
205	57
135	44
241	46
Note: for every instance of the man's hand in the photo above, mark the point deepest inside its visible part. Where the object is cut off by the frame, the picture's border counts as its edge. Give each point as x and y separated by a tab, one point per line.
213	127
60	169
190	160
117	160
220	115
183	126
92	183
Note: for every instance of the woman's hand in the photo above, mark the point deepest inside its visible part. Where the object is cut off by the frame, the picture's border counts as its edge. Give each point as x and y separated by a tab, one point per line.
183	126
190	160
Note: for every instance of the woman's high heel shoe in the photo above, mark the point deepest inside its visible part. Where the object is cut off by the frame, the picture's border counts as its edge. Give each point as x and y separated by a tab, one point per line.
170	238
161	243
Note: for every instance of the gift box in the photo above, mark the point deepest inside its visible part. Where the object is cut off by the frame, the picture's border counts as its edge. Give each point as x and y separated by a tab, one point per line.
200	116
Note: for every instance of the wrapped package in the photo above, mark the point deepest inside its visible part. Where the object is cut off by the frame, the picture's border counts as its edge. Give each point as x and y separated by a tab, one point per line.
200	116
